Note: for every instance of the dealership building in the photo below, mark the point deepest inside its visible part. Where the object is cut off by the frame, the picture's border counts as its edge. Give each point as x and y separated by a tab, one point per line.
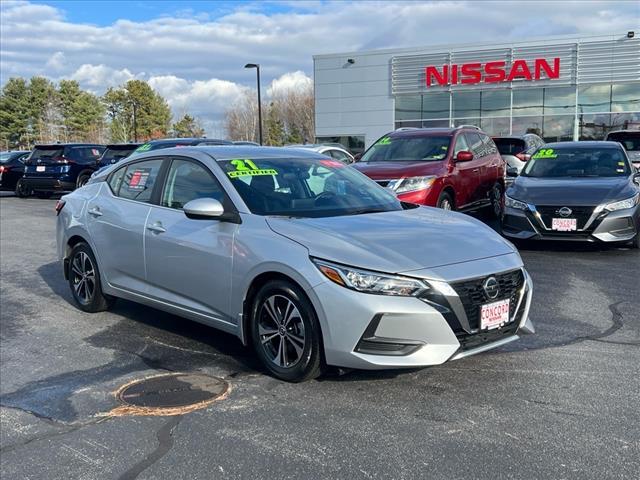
561	88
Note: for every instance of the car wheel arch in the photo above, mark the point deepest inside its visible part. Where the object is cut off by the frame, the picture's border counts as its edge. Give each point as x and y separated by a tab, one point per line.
254	286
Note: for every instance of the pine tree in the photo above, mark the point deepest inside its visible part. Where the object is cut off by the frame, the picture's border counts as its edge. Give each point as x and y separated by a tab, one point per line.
274	128
14	114
186	127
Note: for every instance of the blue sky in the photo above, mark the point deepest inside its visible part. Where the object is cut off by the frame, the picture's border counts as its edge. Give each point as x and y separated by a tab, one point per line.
99	12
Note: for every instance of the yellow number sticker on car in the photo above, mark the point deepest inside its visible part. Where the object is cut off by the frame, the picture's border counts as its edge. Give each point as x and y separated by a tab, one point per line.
246	167
545	153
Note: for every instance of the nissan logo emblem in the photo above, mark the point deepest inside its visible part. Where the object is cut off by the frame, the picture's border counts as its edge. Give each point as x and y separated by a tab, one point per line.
565	211
491	287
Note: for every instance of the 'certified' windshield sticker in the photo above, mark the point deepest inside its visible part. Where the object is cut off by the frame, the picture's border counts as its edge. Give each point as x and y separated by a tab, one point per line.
546	153
384	141
246	167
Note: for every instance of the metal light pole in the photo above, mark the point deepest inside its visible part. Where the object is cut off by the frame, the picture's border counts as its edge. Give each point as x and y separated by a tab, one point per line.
257	67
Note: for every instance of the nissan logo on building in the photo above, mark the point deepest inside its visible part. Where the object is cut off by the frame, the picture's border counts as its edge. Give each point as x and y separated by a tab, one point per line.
565	212
491	288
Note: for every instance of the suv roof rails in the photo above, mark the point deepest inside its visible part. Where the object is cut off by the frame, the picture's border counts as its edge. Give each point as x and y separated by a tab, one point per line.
403	129
468	126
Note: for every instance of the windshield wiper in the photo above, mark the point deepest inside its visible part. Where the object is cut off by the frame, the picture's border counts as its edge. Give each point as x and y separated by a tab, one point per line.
363	211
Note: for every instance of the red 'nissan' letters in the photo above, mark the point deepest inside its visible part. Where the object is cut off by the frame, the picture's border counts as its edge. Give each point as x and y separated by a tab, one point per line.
491	72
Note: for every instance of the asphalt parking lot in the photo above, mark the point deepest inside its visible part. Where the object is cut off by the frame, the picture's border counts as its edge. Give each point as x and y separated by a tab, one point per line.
563	403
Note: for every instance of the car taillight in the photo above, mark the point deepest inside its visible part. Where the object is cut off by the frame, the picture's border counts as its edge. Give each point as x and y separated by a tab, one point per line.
523	157
1	169
59	206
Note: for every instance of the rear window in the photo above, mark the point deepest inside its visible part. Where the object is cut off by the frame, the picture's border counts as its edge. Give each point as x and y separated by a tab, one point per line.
47	152
5	157
629	140
408	149
509	146
85	154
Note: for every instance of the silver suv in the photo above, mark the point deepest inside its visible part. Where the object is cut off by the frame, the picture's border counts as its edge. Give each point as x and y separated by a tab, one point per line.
302	257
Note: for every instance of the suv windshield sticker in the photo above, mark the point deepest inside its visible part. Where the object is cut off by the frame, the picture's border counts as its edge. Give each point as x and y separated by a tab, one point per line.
247	167
139	179
546	153
144	147
95	151
384	141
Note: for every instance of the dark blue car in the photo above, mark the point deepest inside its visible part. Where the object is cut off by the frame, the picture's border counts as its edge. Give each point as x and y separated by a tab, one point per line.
59	167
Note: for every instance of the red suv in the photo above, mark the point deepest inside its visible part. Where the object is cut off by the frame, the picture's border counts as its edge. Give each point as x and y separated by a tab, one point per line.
451	168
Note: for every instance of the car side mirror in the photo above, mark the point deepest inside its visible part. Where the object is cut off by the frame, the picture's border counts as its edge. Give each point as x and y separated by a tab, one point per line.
464	156
357	157
512	171
203	209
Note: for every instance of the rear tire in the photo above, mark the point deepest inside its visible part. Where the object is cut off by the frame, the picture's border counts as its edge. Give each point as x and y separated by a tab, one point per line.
285	332
82	180
445	202
22	190
84	280
635	243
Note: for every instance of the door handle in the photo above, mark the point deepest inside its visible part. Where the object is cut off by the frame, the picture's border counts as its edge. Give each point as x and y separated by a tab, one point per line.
156	228
95	211
476	170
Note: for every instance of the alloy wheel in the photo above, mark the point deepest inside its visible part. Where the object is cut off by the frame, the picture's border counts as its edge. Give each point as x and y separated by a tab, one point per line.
445	204
497	201
281	331
83	277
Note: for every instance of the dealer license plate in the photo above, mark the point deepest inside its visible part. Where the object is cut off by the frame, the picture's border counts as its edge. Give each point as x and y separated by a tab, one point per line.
493	315
564	224
41	168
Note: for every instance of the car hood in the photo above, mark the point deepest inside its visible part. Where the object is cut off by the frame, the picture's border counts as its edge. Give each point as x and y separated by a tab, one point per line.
397	241
571	191
392	170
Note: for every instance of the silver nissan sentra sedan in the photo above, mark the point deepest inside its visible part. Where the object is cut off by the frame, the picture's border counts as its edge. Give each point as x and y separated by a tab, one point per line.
300	256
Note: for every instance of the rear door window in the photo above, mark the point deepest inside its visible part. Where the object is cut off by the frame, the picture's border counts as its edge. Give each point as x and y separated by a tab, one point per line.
139	179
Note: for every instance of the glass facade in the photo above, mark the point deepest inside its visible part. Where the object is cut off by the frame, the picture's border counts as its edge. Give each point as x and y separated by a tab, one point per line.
554	113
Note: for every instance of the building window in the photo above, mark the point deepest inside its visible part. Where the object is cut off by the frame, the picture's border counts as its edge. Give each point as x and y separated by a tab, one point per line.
496	126
495	103
435	105
594	98
625	98
558	128
466	104
559	100
528	101
522	125
409	107
353	143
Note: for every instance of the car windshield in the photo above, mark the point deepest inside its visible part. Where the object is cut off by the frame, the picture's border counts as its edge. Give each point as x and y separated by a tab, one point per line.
509	146
408	149
577	162
303	187
629	140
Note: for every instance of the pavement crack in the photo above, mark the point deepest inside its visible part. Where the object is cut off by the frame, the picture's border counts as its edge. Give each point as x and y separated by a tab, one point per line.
165	442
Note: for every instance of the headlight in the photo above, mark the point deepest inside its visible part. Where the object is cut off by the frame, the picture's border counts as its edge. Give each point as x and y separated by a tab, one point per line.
371	282
513	203
622	204
412	184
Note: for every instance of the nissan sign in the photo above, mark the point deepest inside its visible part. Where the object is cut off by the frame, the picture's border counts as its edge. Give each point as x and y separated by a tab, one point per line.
492	72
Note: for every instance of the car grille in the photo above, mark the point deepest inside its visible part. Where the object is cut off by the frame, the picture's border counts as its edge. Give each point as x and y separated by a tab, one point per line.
582	214
472	294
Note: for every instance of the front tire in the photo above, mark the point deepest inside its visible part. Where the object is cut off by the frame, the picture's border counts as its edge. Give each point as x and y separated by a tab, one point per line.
445	202
84	281
285	332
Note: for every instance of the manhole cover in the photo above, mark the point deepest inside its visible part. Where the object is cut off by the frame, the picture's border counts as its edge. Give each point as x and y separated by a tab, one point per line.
171	394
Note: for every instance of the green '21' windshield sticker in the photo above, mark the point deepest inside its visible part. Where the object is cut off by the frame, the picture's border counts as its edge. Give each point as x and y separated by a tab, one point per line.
384	141
247	167
145	147
546	153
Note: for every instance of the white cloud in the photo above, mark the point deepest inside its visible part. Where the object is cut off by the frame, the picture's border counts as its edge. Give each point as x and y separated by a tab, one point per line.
297	80
196	57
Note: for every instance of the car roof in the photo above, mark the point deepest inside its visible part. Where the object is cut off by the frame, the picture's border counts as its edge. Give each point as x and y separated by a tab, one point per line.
584	144
123	145
62	145
425	132
188	140
635	132
232	152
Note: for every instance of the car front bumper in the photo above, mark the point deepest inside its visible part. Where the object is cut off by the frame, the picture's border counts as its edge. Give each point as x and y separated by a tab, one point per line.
378	332
617	226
